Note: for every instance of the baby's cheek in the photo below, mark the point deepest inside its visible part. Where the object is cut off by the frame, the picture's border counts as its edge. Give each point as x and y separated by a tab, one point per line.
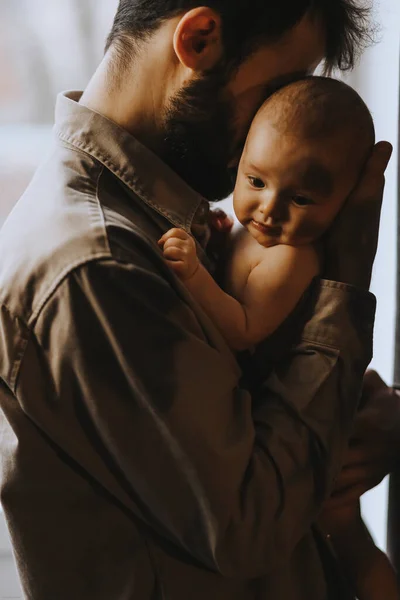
310	229
240	206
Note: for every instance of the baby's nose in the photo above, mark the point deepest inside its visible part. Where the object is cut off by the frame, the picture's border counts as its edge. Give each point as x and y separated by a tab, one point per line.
271	209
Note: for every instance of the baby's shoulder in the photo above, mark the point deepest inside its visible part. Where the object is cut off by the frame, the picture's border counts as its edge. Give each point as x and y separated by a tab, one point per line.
240	235
243	244
293	252
287	259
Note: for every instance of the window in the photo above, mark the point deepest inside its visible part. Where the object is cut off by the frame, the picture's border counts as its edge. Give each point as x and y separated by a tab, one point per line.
45	47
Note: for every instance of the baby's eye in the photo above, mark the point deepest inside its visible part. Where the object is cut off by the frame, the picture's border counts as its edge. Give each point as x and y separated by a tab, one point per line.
302	201
256	182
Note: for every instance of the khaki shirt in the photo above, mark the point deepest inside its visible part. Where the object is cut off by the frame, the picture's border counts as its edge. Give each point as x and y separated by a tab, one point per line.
134	466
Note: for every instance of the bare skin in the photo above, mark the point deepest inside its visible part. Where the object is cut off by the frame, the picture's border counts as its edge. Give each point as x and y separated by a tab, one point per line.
266	283
272	261
284	208
180	51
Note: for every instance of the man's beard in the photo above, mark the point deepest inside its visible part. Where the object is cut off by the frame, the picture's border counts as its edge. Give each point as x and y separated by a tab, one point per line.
198	137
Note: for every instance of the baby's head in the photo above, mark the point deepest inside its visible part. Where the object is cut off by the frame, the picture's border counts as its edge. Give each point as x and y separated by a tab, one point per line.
304	154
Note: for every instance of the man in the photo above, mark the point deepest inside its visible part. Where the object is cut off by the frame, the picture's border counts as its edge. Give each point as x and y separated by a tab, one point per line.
133	464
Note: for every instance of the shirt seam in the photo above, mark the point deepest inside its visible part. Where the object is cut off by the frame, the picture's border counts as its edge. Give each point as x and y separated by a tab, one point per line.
100	207
48	292
316	342
23	342
90	151
30	325
132	184
346	287
59	280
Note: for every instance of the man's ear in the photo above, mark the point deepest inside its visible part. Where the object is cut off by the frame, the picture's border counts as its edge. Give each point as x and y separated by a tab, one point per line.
198	41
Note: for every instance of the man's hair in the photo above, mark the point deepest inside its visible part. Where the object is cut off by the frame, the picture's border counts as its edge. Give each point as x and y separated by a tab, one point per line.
247	24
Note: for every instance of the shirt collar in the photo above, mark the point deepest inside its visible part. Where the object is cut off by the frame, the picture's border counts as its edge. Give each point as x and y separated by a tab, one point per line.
136	166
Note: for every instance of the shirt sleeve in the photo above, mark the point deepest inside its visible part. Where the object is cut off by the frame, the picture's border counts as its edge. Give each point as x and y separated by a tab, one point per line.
131	389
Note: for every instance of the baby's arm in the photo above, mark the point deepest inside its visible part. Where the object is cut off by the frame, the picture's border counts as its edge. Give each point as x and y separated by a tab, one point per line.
273	289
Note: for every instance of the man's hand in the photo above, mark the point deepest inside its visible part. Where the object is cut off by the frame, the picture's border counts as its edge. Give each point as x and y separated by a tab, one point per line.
352	240
338	520
374	449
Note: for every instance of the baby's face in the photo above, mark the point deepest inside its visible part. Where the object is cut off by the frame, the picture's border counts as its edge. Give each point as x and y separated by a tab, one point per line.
289	190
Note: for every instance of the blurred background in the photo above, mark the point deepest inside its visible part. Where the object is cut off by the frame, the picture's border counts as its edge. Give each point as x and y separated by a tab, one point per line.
47	47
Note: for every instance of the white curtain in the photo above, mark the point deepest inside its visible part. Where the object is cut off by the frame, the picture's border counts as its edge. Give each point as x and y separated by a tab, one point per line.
377	80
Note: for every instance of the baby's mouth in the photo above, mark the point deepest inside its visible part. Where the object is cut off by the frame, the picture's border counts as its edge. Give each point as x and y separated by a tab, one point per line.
267	229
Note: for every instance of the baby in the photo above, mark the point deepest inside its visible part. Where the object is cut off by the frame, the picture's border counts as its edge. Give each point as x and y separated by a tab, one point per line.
304	155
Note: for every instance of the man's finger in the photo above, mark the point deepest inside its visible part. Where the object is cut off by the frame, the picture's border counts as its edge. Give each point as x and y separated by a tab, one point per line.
351	477
384	152
364	425
349	496
381	155
373	383
364	454
372	179
379	418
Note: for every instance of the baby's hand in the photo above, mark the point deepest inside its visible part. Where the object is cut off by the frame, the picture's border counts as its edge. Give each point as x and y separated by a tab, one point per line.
220	234
220	221
179	250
